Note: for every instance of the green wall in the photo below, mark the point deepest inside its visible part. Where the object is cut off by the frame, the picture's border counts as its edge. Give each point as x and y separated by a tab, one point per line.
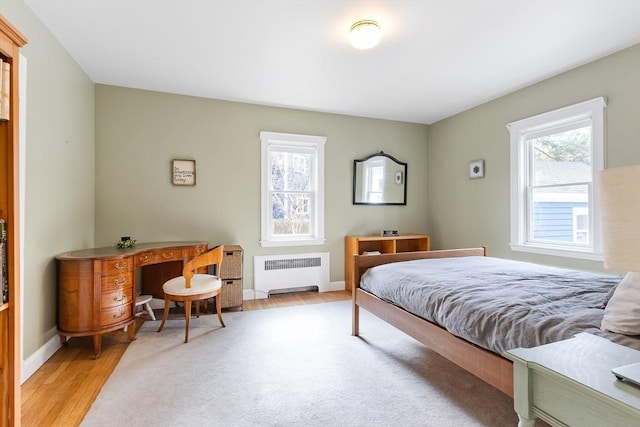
465	212
59	181
138	133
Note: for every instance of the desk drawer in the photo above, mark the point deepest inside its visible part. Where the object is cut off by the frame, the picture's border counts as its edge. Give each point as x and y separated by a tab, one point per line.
117	266
111	316
116	298
116	282
193	252
170	255
146	258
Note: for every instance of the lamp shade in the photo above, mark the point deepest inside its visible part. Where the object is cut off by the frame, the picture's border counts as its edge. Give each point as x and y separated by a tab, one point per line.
619	196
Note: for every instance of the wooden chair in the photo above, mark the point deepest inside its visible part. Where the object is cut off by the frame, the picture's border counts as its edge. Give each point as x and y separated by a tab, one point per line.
192	286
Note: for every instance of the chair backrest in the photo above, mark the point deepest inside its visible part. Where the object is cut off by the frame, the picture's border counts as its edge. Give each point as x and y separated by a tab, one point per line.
210	257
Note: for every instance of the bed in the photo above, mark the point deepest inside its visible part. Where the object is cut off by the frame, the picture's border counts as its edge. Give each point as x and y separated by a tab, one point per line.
476	307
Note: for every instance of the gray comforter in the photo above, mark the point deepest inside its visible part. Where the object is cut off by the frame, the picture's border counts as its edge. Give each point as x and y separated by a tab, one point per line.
496	303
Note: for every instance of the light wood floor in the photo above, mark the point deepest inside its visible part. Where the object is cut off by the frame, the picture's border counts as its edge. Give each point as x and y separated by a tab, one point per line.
61	392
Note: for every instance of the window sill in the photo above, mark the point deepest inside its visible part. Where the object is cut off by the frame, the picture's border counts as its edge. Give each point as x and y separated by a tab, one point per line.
304	242
548	250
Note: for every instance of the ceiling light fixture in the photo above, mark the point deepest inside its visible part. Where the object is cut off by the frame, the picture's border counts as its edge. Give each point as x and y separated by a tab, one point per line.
365	34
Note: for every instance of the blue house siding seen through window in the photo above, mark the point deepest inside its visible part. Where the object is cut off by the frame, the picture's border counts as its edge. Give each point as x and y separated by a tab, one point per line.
555	220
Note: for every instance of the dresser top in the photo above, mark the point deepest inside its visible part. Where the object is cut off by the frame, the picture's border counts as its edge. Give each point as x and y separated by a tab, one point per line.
112	251
585	359
396	237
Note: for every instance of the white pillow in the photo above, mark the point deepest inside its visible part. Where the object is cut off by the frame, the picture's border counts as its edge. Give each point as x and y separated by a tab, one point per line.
622	313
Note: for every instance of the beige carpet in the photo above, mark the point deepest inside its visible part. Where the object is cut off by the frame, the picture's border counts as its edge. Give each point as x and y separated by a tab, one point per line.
291	366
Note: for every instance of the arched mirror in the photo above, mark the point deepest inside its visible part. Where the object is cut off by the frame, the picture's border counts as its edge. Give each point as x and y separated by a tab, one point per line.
379	179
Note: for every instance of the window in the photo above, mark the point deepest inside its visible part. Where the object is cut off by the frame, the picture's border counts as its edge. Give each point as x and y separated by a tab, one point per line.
292	208
554	159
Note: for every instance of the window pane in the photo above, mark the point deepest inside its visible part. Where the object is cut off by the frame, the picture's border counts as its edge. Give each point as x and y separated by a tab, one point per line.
560	214
290	213
581	225
290	171
562	158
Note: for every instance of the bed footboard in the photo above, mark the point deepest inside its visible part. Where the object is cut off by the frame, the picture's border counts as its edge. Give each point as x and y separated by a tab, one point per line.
490	367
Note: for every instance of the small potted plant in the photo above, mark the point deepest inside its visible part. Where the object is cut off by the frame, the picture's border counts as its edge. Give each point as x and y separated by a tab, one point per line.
126	242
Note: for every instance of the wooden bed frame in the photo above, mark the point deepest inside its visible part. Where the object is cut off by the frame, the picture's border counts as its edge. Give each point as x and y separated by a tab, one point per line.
489	367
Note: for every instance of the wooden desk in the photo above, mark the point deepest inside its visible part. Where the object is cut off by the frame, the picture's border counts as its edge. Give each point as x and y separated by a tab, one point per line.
569	383
97	287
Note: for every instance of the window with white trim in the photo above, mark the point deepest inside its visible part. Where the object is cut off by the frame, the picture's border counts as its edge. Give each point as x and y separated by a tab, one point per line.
554	159
292	189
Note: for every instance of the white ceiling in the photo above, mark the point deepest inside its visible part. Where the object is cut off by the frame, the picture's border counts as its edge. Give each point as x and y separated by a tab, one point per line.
436	57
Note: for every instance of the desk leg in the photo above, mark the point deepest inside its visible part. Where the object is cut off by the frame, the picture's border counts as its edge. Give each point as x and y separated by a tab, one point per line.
97	345
132	330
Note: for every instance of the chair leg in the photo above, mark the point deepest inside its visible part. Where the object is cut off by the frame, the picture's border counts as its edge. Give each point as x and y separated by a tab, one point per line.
198	308
187	312
165	315
150	311
219	309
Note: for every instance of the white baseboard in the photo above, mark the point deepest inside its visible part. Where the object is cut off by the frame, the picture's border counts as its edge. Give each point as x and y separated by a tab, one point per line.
37	359
337	286
248	294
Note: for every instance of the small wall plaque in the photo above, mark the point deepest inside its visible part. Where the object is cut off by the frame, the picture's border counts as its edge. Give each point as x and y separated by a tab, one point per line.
183	172
476	169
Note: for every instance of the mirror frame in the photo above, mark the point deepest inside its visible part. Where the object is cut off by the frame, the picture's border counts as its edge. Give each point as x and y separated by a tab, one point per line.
359	179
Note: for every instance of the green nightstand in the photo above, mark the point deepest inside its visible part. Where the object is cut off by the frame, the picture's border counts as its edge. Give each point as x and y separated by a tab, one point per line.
569	383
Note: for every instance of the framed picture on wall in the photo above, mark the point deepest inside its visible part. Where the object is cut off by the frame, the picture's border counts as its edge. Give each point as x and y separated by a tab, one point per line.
183	172
476	169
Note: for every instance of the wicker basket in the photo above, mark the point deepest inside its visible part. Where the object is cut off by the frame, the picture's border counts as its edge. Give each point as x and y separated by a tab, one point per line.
231	267
231	293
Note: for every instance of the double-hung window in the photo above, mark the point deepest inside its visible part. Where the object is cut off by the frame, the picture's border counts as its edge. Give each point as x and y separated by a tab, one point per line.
292	208
554	159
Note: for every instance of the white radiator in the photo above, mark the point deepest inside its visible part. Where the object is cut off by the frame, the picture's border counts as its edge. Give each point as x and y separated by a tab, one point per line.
290	272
